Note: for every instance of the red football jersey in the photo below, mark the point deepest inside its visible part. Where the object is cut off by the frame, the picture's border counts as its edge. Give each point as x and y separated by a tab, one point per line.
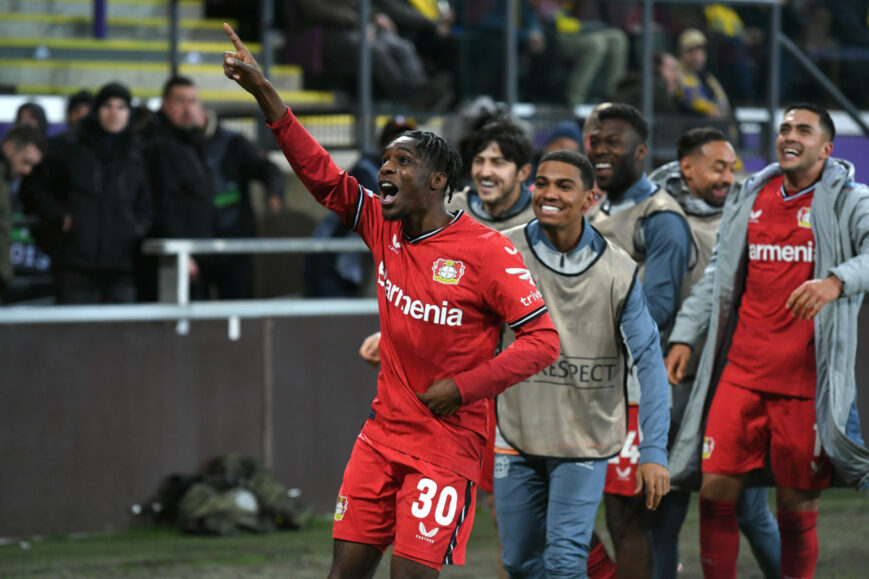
443	297
773	351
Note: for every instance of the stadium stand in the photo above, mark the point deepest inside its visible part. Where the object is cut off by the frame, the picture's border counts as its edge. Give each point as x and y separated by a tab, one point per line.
47	49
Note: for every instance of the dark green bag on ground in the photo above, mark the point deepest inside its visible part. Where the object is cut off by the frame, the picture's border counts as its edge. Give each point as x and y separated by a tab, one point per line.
238	494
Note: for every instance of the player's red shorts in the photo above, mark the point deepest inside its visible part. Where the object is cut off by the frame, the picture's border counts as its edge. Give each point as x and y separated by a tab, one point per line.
390	498
621	474
745	426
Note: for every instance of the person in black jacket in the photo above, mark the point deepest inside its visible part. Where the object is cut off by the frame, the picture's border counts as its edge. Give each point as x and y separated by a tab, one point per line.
233	162
92	195
180	178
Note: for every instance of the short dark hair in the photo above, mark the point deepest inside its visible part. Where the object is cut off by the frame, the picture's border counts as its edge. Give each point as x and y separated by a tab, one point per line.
435	151
511	138
629	114
174	81
825	119
578	160
693	139
23	135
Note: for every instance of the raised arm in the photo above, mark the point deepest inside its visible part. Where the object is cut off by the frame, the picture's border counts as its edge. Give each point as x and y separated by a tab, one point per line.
241	67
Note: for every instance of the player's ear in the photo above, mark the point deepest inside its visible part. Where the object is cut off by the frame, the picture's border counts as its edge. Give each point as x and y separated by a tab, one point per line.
437	180
640	152
687	167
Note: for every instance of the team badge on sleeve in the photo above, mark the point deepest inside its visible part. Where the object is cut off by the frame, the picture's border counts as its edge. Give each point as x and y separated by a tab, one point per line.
708	446
448	271
340	508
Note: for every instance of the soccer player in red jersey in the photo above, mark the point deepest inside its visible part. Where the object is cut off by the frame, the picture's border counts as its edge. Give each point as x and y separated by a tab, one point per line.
780	300
446	284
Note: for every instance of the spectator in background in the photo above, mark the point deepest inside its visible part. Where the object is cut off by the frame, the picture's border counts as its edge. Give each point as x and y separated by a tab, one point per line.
233	162
850	21
92	195
21	150
428	25
485	28
77	108
34	115
665	85
699	92
180	179
566	135
396	67
589	46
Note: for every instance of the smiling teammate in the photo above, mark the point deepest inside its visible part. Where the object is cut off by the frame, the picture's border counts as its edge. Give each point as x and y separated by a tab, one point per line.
700	181
446	284
640	218
561	426
779	303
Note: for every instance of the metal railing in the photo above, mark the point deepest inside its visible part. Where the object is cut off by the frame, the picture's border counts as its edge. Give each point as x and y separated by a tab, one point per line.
175	289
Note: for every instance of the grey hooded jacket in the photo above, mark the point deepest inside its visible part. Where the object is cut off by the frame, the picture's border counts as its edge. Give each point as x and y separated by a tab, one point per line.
840	223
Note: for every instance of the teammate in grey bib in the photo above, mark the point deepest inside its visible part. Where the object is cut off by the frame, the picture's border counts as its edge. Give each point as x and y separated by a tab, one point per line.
560	426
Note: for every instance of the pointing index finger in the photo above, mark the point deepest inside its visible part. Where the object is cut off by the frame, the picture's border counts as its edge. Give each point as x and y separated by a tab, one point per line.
236	41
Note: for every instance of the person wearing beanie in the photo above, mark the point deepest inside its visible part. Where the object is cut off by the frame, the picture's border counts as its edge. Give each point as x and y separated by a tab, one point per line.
78	107
93	199
566	135
34	115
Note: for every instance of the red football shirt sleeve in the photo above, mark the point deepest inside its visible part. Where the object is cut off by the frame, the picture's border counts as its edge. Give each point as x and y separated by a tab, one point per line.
330	185
510	291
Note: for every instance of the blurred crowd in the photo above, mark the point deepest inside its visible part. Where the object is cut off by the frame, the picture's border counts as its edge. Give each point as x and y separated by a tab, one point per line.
442	52
76	206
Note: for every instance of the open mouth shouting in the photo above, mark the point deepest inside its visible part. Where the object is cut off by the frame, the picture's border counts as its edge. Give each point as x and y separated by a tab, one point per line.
388	192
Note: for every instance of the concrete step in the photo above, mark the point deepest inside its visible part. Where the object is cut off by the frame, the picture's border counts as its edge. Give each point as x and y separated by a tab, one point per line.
17	72
115	50
27	25
232	96
84	8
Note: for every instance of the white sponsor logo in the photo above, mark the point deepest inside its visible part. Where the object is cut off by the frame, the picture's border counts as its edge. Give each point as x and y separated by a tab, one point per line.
755	216
522	273
429	534
395	244
511	250
785	253
623	473
441	315
531	298
426	535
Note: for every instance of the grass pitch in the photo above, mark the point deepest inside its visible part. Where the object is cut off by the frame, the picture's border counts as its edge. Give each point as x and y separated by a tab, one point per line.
843	526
